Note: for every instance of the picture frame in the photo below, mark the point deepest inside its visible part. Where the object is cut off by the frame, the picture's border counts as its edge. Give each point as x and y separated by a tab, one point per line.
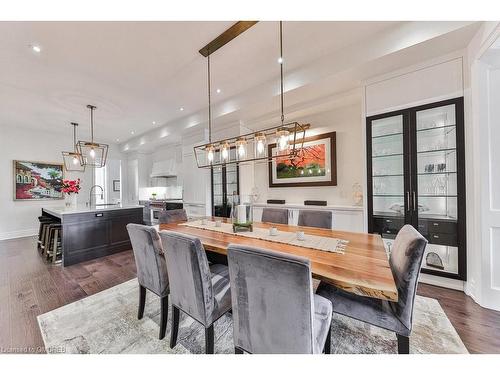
315	165
116	185
37	180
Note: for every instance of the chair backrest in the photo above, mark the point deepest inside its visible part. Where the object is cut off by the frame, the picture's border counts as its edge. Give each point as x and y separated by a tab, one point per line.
149	259
172	216
272	299
317	219
275	215
190	279
405	260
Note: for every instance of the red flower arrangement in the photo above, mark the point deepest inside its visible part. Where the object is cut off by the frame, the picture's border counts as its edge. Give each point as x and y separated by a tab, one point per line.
71	186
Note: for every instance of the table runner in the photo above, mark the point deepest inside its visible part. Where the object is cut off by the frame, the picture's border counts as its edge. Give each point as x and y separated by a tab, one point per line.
333	245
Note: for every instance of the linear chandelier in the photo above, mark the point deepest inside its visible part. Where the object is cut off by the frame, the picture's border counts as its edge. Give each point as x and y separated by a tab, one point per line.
256	146
92	154
73	159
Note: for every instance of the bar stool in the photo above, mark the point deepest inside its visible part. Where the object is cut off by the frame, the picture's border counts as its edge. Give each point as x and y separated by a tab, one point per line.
44	223
52	246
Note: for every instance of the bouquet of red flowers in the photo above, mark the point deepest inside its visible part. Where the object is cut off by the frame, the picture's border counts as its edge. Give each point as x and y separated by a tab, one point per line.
71	186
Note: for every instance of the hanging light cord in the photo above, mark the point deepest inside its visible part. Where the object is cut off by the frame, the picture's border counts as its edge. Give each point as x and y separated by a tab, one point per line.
281	71
92	107
209	102
74	135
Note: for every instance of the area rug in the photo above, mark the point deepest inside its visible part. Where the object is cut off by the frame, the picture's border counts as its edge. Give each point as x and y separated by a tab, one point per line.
107	322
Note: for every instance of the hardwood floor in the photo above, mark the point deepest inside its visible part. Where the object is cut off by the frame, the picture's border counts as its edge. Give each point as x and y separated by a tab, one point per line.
29	286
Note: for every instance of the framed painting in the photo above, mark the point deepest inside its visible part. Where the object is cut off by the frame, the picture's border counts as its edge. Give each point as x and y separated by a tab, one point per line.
35	180
116	185
314	165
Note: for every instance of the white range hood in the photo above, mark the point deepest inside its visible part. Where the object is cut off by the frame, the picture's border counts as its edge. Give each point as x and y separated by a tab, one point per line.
164	168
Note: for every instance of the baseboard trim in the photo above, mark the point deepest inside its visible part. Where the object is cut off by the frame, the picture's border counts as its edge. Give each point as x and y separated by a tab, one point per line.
441	281
18	234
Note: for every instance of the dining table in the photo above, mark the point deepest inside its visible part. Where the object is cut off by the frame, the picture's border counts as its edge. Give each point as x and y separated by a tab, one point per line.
361	268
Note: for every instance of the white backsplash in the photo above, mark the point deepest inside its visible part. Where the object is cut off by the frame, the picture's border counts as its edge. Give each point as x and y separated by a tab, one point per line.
162	192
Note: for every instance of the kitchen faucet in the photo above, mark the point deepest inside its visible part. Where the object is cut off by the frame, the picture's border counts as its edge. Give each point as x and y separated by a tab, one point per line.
92	189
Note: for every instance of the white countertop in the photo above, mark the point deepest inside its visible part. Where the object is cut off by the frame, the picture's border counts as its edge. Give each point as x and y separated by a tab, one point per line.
60	211
303	206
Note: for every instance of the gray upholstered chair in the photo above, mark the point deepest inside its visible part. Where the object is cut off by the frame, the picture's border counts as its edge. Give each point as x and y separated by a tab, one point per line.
172	216
405	262
275	215
151	269
274	308
315	218
197	288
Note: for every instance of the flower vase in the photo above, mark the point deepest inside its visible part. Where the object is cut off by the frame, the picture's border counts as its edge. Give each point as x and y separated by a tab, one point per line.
70	200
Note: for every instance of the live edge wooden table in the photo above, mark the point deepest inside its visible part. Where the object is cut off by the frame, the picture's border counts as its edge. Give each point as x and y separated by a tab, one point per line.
363	269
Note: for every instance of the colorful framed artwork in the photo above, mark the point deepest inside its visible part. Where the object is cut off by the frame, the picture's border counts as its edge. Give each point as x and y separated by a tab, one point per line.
35	180
314	165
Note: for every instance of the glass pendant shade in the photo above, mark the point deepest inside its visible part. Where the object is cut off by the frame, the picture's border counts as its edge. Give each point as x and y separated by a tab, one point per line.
210	150
72	159
282	140
225	152
260	143
92	153
241	149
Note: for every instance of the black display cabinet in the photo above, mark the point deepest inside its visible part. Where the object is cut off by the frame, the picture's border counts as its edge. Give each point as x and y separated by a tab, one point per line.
225	183
416	175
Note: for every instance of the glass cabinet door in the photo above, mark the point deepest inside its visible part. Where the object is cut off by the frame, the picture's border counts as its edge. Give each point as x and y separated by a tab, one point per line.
388	166
435	202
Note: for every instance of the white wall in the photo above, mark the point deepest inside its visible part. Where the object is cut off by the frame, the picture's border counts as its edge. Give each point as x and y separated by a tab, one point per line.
19	218
344	121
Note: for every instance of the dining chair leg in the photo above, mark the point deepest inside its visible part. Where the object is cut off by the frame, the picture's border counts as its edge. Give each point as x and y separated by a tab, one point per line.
328	343
209	340
175	326
163	316
142	302
237	350
403	344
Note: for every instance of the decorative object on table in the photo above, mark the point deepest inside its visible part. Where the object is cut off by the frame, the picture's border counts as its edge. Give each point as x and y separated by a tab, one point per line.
73	159
315	203
71	188
93	154
357	194
241	214
434	260
289	137
37	180
315	164
273	231
301	236
116	185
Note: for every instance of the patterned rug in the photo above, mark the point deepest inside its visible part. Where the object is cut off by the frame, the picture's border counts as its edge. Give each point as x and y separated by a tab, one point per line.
107	322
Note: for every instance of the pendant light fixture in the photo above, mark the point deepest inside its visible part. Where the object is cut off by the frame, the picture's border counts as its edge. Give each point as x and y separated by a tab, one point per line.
73	159
287	137
93	154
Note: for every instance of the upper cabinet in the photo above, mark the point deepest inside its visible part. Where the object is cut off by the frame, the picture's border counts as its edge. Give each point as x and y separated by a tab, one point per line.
416	175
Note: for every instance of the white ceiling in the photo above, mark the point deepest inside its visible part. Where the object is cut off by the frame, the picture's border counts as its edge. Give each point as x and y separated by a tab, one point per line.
140	72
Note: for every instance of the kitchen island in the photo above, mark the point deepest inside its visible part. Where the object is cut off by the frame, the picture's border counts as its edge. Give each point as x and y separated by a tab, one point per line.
94	232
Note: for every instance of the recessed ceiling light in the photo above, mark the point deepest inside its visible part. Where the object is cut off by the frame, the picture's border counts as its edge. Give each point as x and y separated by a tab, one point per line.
280	60
36	48
132	132
181	109
154	122
117	139
218	91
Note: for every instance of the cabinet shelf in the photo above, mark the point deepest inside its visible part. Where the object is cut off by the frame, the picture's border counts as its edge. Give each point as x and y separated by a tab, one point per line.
386	135
431	173
388	175
385	156
449	150
437	127
388	195
436	196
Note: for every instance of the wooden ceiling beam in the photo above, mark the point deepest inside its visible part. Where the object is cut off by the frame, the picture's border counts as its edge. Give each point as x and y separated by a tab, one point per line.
228	35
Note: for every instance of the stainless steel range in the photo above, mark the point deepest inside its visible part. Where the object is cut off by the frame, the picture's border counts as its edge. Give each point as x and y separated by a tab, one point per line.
152	209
